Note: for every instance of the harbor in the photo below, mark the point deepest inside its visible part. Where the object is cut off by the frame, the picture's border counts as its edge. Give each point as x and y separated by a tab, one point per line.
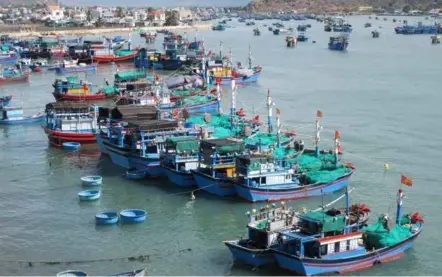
261	124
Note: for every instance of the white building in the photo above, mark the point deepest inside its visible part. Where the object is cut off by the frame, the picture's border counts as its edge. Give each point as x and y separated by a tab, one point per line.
80	16
140	15
55	13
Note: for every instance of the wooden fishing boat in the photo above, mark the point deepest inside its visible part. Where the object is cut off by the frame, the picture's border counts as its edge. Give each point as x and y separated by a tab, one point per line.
18	77
106	218
14	116
339	43
70	122
119	56
336	248
5	100
133	216
72	89
89	195
265	224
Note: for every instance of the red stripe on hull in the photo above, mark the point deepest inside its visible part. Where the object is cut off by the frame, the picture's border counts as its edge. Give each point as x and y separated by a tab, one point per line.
356	268
70	135
394	257
97	96
111	58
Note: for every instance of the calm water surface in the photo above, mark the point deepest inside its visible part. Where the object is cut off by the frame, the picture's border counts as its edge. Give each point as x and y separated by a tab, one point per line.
382	94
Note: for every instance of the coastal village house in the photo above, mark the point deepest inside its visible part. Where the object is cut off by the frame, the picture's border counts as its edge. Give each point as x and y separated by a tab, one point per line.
55	13
158	18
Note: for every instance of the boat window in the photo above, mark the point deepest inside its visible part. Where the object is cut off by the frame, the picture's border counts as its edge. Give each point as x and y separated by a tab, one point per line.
337	246
353	244
343	247
323	250
330	248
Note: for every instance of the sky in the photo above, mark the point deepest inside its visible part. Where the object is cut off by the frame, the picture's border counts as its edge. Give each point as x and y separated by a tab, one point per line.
156	3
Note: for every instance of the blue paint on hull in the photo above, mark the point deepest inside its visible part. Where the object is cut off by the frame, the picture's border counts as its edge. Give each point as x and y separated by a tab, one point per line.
9	60
338	46
116	154
251	256
22	121
209	107
215	186
182	179
226	81
254	194
62	70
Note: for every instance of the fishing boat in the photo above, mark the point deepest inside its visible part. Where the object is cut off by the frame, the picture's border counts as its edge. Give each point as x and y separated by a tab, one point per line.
301	28
125	81
145	58
435	39
256	32
344	28
367	25
135	273
75	68
14	116
328	244
219	27
71	273
39	65
339	43
302	37
327	28
70	122
8	58
118	56
223	72
5	100
216	165
264	225
179	158
420	28
13	76
72	89
291	41
375	34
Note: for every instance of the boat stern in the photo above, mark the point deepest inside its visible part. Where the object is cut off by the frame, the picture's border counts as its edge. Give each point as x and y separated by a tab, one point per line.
255	257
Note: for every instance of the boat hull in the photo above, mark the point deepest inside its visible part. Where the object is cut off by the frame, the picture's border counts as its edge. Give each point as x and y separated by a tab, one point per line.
68	97
307	266
118	155
112	58
26	120
212	185
22	78
182	179
63	70
57	138
241	80
255	257
209	107
8	60
255	194
338	46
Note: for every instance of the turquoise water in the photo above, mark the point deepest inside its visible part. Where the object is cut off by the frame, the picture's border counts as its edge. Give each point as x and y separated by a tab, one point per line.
383	95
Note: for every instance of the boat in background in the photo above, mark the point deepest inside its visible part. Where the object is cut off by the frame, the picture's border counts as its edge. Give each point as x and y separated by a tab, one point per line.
70	122
135	273
375	34
219	27
339	43
73	67
72	89
8	58
420	28
302	37
118	56
13	76
5	100
15	116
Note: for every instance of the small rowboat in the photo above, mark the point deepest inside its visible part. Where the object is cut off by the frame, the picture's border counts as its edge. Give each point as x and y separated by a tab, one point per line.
133	215
139	272
71	145
21	119
88	195
134	174
91	181
72	273
106	218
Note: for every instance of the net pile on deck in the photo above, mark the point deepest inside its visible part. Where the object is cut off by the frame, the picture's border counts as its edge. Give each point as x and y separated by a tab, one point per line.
221	124
266	139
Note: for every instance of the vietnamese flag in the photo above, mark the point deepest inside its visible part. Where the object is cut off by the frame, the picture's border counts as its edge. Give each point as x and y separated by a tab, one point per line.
406	180
337	134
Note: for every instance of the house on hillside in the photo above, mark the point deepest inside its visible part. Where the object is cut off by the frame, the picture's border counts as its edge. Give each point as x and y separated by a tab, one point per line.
55	13
157	18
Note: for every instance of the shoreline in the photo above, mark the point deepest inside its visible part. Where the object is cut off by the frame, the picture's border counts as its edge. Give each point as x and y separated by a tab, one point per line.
98	31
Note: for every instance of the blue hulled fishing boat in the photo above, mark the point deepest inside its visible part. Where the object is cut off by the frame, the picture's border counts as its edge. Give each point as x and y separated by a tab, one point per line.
339	43
265	225
302	37
418	29
14	116
326	243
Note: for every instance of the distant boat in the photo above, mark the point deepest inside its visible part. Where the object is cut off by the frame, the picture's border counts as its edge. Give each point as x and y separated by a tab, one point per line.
13	76
219	27
435	39
14	116
139	272
375	34
302	37
339	43
118	56
367	25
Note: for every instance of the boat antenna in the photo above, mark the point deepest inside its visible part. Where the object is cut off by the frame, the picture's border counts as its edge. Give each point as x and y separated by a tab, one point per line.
270	111
233	108
278	126
250	56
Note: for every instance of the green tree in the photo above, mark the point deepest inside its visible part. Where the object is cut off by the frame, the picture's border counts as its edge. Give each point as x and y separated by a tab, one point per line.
119	12
89	15
406	9
171	18
150	9
99	22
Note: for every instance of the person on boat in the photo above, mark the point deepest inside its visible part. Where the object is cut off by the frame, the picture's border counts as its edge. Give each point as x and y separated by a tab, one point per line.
301	145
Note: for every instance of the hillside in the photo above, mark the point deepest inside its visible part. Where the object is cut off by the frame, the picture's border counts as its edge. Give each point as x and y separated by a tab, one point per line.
338	5
19	3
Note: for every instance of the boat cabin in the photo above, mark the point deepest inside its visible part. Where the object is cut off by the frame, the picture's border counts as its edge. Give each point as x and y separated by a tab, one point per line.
219	156
71	85
219	68
12	113
71	117
132	81
181	153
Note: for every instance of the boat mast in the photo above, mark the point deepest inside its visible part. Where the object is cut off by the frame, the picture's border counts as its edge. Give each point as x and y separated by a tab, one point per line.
218	95
233	108
400	197
220	49
250	56
337	137
318	132
278	126
270	111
